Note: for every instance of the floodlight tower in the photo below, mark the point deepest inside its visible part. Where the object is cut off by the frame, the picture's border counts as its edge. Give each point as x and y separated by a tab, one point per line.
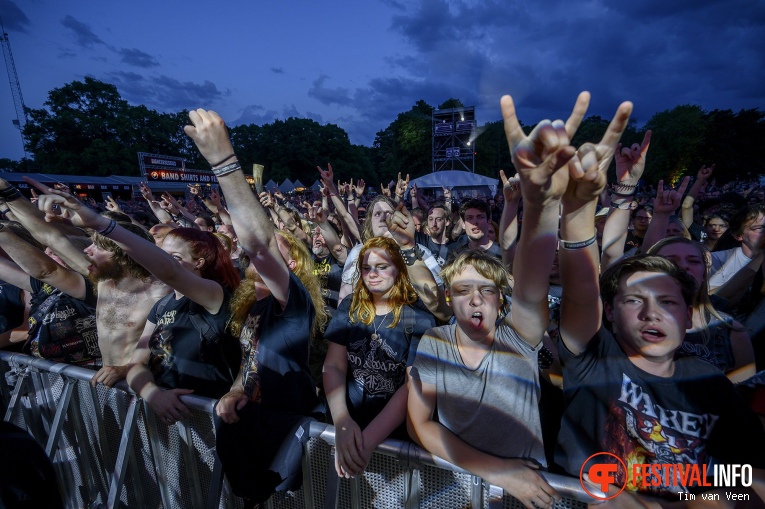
453	133
13	78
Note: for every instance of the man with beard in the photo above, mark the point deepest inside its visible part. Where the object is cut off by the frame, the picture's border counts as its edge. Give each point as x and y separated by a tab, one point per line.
437	240
327	267
126	291
276	310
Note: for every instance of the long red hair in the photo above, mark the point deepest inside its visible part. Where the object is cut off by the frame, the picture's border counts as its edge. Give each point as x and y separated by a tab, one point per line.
401	294
218	265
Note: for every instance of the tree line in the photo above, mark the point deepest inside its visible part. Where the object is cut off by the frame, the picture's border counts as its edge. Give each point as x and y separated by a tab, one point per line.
87	128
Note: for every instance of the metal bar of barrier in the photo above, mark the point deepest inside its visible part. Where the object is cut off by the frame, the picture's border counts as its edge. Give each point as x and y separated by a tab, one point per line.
86	468
107	460
156	453
58	420
191	464
409	454
126	446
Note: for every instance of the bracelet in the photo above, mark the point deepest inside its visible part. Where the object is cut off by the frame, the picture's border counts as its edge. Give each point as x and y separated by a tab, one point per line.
223	160
625	186
577	245
622	195
106	231
6	212
411	255
618	206
10	193
225	170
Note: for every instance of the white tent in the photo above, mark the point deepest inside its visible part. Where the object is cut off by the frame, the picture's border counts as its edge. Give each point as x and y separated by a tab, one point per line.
286	186
271	185
462	183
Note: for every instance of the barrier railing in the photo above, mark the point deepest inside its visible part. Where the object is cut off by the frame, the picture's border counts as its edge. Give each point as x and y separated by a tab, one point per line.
109	450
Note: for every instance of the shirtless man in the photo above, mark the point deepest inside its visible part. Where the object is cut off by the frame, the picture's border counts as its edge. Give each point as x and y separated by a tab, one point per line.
126	291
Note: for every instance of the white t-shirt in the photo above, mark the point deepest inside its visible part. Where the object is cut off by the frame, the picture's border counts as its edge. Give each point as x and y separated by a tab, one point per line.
725	264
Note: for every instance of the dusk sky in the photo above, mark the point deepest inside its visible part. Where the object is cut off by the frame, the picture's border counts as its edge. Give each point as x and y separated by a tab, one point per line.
358	64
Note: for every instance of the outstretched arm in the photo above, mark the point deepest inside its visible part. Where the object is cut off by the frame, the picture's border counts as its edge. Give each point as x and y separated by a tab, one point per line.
350	224
541	159
164	266
666	203
52	235
581	308
40	266
508	224
256	235
701	181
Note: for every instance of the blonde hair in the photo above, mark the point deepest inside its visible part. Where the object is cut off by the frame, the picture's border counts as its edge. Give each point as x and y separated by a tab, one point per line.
304	270
487	266
401	294
701	300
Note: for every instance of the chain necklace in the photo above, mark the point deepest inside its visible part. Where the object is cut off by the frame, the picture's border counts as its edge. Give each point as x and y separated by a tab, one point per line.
375	336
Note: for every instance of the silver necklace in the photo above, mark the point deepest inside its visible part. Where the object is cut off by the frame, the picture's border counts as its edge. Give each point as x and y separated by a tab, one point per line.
375	336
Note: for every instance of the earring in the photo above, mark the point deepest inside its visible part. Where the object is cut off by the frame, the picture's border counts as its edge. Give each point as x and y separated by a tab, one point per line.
448	299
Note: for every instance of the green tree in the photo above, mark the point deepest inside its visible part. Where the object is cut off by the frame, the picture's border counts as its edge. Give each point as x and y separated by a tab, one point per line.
87	128
678	136
406	144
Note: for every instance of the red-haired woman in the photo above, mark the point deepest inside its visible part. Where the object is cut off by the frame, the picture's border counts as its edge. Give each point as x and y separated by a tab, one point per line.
184	341
372	340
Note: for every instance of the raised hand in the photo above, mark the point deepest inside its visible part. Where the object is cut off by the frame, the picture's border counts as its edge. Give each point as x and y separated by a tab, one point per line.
143	187
705	172
511	187
209	133
360	186
402	185
540	157
327	176
214	198
266	200
401	226
170	204
667	199
52	201
447	193
588	177
112	205
385	190
630	163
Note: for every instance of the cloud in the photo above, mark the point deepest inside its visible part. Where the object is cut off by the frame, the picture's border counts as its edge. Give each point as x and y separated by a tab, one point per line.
13	17
137	58
393	4
164	92
255	114
329	96
659	54
277	70
291	111
83	34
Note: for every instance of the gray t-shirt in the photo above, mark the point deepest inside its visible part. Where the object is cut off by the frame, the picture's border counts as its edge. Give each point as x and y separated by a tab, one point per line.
495	407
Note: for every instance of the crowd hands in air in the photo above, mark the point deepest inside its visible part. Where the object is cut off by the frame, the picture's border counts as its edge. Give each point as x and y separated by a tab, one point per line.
437	319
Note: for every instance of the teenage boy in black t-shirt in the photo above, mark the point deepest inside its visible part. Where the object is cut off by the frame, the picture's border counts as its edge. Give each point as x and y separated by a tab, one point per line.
626	392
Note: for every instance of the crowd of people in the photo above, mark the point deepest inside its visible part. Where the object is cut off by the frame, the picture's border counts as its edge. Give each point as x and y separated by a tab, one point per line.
510	334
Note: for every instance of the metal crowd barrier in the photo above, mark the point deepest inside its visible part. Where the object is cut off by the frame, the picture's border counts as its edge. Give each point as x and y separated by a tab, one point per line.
109	451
